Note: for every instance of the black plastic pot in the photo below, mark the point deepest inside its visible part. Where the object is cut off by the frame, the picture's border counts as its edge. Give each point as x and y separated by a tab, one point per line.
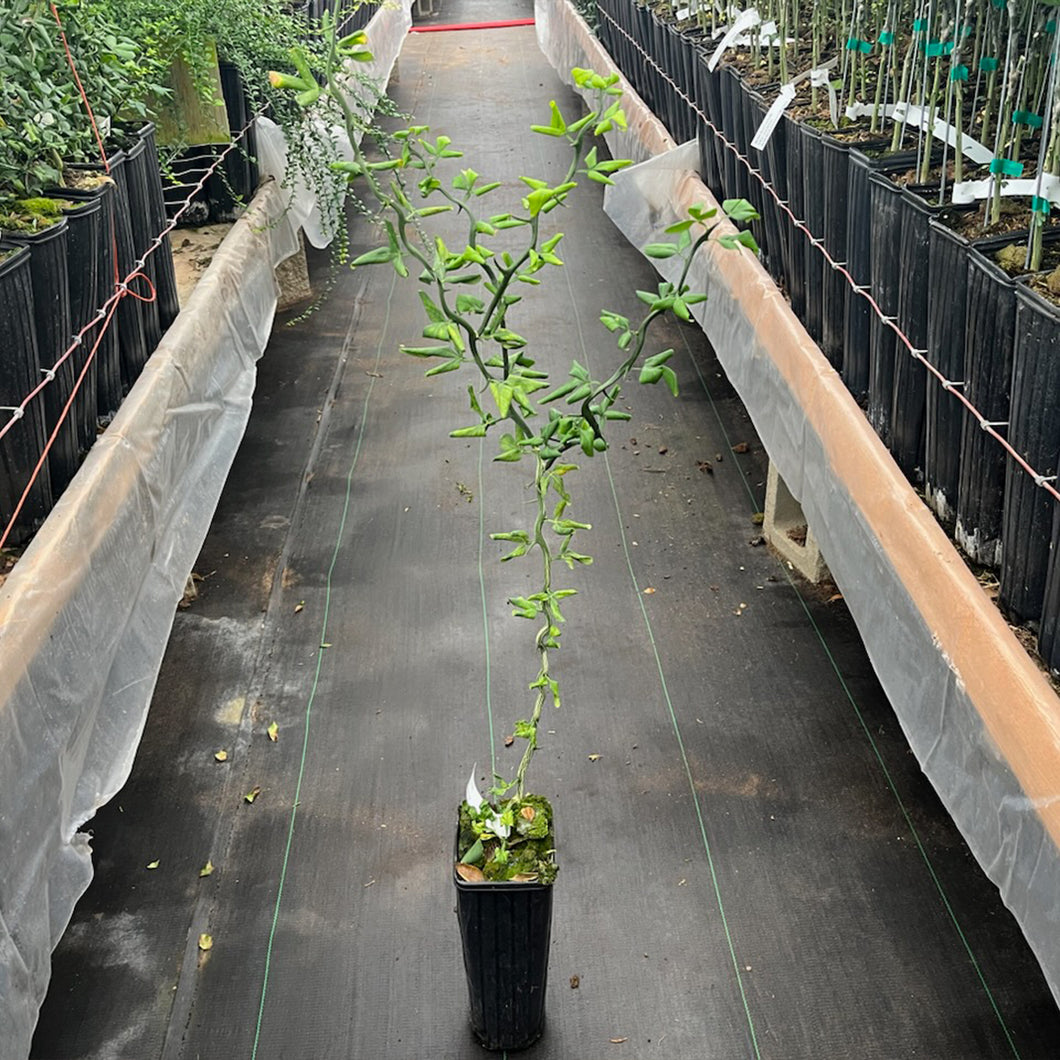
1049	635
946	314
765	229
834	286
51	302
84	243
164	271
711	149
505	929
138	178
1033	431
21	447
793	241
812	212
908	409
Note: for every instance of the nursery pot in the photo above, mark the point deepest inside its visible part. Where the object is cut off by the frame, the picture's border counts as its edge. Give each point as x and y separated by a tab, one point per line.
505	929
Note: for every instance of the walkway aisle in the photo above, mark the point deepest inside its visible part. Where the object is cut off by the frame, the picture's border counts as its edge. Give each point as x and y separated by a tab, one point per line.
752	866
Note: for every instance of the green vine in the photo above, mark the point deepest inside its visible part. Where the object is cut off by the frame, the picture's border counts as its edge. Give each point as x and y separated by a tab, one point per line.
468	293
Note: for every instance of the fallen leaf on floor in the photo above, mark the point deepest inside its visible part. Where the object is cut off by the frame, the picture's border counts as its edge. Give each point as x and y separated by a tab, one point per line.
207	869
375	375
153	864
758	518
300	606
274	732
649	591
205	942
714	588
741	447
757	541
682	883
633	441
705	466
509	740
370	883
221	756
619	1041
717	458
252	794
328	645
663	450
469	873
575	982
593	758
834	597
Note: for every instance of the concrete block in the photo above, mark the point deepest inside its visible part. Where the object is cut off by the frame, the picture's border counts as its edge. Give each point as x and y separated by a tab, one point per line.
786	529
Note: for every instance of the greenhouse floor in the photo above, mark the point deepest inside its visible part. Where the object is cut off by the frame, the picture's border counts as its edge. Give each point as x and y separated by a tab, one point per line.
752	864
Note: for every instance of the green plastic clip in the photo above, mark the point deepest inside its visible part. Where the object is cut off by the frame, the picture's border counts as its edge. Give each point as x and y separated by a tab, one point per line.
966	31
1006	167
1027	117
919	25
887	37
947	48
1050	26
1039	205
999	4
933	49
987	64
855	45
959	73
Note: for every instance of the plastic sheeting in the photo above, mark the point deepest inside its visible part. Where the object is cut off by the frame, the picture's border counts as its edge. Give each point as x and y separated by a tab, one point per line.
981	719
85	616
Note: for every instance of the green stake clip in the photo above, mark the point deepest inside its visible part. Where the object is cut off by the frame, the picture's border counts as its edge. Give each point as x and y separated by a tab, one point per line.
959	73
1027	117
887	37
1050	26
855	45
1006	167
987	64
1039	205
933	49
919	25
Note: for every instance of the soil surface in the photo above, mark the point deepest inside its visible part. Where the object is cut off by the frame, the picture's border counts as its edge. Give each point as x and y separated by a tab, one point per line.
193	250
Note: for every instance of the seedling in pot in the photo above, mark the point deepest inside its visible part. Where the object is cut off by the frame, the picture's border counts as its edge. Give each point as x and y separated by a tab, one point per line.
469	290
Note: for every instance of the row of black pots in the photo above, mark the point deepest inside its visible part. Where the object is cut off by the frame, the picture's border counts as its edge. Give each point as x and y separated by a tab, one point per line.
227	189
67	273
993	337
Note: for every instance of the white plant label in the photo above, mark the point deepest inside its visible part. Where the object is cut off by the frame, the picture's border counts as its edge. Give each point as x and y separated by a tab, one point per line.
941	130
971	190
747	20
818	76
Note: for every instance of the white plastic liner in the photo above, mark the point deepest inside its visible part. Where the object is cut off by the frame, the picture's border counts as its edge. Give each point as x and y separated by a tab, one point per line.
982	721
85	616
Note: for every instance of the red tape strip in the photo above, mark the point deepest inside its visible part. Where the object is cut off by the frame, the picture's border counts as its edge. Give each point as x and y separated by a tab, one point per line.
503	24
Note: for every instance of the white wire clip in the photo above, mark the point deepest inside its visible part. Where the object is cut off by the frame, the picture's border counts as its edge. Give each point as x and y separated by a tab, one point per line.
992	423
1041	480
952	384
17	411
49	374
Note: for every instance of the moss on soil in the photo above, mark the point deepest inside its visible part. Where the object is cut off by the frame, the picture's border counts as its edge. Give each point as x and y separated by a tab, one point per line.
530	850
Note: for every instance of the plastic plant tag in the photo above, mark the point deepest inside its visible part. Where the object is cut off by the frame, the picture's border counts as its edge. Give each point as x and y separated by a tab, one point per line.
473	797
747	20
941	130
818	77
682	13
972	190
773	116
476	801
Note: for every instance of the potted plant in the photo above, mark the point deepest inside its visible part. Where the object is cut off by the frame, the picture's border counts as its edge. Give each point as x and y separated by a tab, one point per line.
504	860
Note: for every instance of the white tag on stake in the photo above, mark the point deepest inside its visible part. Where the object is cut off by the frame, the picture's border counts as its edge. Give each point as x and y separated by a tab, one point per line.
746	20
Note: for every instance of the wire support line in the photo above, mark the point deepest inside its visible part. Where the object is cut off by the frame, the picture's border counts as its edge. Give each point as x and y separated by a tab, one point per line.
104	315
864	290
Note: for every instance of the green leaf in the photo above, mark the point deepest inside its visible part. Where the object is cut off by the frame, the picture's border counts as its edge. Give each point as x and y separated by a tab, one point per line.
650	375
502	395
739	210
427	351
434	313
660	250
373	257
441	369
524	730
477	430
671	379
